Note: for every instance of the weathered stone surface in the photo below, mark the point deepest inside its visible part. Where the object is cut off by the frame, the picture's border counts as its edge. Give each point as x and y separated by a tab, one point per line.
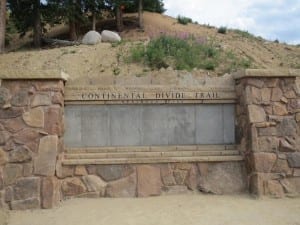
224	178
58	98
294	159
279	109
289	187
11	173
284	100
265	95
290	94
255	82
26	135
113	172
253	95
256	114
91	38
109	36
27	169
268	131
267	144
203	168
80	171
8	194
192	179
180	176
94	183
263	162
295	183
14	125
148	181
276	94
34	117
3	157
33	146
273	82
32	203
63	171
167	175
72	187
4	137
288	127
4	95
294	104
25	188
125	187
282	166
296	172
44	163
10	113
285	146
50	192
183	166
175	190
297	117
41	99
274	189
19	154
20	99
54	121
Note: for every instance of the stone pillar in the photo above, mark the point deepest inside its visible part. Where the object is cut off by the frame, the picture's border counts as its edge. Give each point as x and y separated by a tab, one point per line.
31	130
268	130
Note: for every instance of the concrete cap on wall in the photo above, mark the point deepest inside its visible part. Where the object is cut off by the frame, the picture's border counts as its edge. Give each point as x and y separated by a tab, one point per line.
266	73
18	74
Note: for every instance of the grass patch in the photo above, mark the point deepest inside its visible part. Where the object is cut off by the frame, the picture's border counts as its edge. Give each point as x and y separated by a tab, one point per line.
243	33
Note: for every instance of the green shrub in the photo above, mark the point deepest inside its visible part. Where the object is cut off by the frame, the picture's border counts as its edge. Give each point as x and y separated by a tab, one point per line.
184	20
222	30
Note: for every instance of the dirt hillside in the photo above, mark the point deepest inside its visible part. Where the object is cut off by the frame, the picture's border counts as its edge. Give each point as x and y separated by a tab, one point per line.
106	64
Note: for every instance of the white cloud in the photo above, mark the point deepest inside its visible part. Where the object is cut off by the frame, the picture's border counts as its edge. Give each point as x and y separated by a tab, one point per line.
266	18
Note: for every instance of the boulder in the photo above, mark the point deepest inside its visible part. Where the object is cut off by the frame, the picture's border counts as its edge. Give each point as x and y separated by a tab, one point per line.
109	36
72	187
91	38
125	187
148	181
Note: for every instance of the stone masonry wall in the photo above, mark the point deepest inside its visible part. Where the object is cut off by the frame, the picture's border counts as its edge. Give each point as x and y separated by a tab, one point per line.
31	129
268	130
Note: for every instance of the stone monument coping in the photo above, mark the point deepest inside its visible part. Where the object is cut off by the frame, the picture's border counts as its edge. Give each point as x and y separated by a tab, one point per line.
267	73
18	74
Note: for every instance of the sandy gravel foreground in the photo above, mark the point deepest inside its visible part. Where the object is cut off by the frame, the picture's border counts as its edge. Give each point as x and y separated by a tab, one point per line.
166	210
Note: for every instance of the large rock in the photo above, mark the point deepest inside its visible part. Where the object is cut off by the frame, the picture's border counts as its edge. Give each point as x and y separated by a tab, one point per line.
94	183
263	162
224	178
125	187
109	36
50	192
256	114
113	172
148	181
44	163
294	159
26	188
19	154
91	38
34	117
72	187
11	173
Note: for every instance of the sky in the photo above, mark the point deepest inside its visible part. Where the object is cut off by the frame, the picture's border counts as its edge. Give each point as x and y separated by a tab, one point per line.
270	19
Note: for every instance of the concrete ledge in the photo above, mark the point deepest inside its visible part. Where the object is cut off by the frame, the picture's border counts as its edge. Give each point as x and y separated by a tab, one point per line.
266	73
18	74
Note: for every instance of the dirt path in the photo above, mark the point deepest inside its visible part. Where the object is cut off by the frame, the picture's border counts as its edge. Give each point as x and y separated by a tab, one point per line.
166	210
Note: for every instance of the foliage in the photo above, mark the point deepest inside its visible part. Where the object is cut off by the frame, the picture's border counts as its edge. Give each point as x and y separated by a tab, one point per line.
184	20
222	30
243	33
182	54
148	5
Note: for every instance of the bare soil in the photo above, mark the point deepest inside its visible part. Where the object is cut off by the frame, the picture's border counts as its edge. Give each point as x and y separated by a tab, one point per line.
191	209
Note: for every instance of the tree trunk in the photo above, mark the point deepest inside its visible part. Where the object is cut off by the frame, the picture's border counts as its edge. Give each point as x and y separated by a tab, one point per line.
37	29
2	24
119	19
94	21
72	30
140	12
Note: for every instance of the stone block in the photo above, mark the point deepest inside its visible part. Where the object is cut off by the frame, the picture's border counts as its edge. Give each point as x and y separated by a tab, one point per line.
20	99
276	94
58	98
268	144
180	176
274	189
11	113
297	117
72	187
282	166
44	163
11	173
54	121
27	169
263	162
265	95
14	125
113	172
148	181
26	204
256	114
26	136
287	127
80	171
224	178
3	157
253	95
19	154
124	187
94	183
294	159
280	109
255	82
26	188
192	179
167	175
289	186
4	136
50	192
296	172
290	94
63	171
41	99
285	146
4	95
175	190
34	117
267	131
